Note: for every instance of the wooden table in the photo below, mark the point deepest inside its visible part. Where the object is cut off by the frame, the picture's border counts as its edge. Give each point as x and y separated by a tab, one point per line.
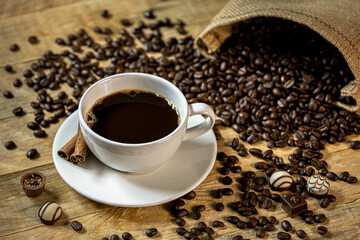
18	216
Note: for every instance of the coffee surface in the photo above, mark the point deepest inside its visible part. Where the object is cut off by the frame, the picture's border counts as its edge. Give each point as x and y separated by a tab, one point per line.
133	116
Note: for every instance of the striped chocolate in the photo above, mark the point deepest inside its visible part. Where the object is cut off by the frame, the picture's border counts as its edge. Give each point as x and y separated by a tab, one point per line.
281	181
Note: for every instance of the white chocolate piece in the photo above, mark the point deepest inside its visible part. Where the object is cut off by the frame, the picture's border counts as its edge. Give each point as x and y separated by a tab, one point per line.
281	181
317	186
49	213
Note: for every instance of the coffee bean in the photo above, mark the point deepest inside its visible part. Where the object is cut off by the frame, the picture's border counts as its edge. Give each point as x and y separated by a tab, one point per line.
237	237
351	179
17	82
127	236
256	152
181	231
149	14
344	175
151	232
180	221
181	213
33	39
9	68
19	111
283	236
209	230
39	133
10	145
324	202
14	47
114	237
355	144
32	125
260	233
286	225
105	238
196	215
125	22
7	94
224	170
319	218
269	227
105	13
272	219
190	195
227	180
309	220
188	235
241	225
227	191
322	230
45	123
332	176
266	204
301	233
218	224
76	225
233	219
32	153
219	207
236	169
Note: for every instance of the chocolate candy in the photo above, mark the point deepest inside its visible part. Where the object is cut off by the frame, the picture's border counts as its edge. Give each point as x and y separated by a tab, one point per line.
294	204
281	181
318	186
33	183
49	213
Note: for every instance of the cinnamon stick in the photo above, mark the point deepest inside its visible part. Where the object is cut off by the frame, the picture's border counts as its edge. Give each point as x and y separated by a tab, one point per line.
67	149
80	149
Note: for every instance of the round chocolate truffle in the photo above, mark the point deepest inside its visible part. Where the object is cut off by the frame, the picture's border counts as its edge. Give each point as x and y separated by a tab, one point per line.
317	186
281	181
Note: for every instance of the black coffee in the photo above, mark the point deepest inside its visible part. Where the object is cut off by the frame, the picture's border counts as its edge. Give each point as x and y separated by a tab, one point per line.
133	116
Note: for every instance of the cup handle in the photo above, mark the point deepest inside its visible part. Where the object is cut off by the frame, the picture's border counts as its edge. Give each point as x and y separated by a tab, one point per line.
206	125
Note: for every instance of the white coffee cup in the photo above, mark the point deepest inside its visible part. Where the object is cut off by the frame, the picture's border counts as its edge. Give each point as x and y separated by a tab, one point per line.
141	157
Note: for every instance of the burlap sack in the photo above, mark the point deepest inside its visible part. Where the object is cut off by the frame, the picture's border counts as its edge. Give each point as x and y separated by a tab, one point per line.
338	21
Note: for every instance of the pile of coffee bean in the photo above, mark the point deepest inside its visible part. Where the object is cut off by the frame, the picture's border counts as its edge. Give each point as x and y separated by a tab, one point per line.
272	80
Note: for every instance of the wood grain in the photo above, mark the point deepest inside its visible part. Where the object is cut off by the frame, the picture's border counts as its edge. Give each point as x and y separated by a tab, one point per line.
18	218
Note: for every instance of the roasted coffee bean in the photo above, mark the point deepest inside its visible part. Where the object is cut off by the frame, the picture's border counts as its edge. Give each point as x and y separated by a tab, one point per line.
33	39
19	111
181	231
332	176
241	224
196	215
262	220
236	169
286	225
209	230
195	231
332	198
319	218
232	159
276	197
39	133
9	68
127	236
269	227
219	207
283	236
218	224
237	237
17	82
149	13
351	179
307	213
227	191
7	94
242	153
151	232
32	153
355	144
45	123
105	13
181	213
261	165
255	152
301	233
76	225
266	204
14	47
10	145
310	220
224	170
180	221
53	119
322	230
201	226
114	237
344	175
227	180
252	222
260	233
233	219
324	202
249	174
272	219
190	195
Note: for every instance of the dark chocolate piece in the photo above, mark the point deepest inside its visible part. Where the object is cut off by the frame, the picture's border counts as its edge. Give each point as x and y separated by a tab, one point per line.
33	183
294	204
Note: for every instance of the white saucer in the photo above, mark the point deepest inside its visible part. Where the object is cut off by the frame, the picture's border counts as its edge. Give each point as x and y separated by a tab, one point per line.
183	172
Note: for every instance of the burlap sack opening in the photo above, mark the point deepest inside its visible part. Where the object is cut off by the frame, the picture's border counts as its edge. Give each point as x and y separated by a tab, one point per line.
338	21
